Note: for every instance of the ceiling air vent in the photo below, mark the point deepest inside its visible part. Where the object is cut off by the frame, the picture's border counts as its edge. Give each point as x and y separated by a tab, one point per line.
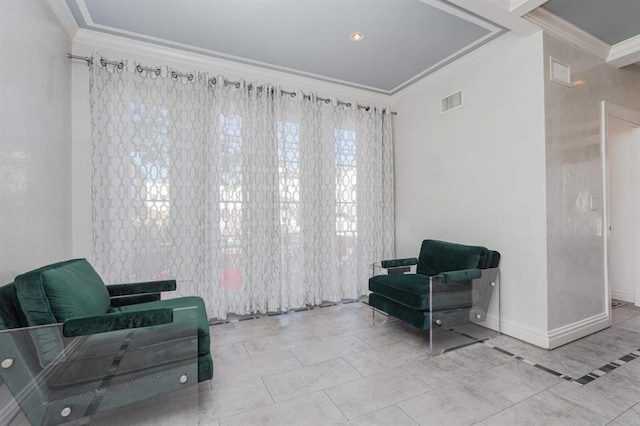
560	73
452	102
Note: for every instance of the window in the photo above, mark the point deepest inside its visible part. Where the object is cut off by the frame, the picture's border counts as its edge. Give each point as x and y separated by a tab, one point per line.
231	198
150	189
289	178
346	193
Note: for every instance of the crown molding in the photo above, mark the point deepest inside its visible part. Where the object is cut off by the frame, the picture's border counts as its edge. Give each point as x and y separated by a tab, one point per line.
446	62
114	47
625	53
522	7
66	19
466	61
563	30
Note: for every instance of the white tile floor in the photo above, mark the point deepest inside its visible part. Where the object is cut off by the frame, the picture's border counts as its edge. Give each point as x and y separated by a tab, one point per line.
330	366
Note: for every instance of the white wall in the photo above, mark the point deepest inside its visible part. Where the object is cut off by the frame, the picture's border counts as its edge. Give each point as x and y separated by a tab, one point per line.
35	141
113	48
575	245
476	175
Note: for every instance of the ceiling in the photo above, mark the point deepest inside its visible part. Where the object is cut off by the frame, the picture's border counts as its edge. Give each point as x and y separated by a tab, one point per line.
404	40
611	21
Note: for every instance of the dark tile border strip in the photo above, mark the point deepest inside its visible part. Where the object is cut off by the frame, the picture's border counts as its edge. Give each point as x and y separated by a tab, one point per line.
533	364
607	368
587	378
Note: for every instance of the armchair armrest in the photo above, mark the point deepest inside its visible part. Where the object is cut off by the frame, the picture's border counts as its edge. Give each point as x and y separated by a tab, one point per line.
140	288
462	275
134	300
83	326
396	263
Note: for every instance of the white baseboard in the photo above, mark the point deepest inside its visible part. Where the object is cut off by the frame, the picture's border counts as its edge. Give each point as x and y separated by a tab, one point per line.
625	297
524	332
492	322
568	333
557	337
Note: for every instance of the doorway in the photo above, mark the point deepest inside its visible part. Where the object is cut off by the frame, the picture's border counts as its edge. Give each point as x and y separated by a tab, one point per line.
620	146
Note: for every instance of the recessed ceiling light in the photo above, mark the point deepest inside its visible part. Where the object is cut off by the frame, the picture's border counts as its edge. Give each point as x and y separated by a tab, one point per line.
357	36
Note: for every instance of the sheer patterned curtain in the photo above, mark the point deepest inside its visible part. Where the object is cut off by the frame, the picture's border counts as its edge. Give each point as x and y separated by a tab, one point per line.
255	199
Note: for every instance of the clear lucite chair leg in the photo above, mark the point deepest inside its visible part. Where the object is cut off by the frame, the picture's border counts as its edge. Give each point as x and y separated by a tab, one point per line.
373	317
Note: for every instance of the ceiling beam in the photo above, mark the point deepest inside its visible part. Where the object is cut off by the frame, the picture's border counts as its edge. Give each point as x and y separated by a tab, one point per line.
625	53
495	12
564	30
522	7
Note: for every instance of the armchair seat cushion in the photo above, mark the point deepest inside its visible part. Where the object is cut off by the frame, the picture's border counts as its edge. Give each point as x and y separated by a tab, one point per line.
412	290
180	302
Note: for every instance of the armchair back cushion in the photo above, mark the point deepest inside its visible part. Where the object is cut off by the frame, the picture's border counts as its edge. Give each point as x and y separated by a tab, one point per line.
442	256
9	316
61	291
493	260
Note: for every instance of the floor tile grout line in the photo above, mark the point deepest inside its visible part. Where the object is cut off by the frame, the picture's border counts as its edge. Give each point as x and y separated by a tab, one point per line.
400	408
513	404
352	366
384	408
529	362
268	391
407	414
324	391
369	347
623	413
379	408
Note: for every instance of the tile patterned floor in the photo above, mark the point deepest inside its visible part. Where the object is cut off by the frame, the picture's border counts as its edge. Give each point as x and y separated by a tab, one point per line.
329	366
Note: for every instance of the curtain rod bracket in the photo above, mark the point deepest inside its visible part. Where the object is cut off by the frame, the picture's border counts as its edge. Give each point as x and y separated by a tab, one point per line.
87	59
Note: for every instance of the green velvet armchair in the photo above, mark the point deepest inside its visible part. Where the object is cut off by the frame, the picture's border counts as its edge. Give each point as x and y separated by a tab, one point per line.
453	285
71	347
